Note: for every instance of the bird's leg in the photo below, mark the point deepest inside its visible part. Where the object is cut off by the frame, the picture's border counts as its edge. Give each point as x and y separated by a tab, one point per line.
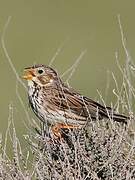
56	129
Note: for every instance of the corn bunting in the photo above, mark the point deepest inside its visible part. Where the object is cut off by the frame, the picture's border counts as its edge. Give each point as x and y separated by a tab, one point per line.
60	105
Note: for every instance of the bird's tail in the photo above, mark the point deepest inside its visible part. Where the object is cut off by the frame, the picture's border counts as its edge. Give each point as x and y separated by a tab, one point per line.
120	118
117	117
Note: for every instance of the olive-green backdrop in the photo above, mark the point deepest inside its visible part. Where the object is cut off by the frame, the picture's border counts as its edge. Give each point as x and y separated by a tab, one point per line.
39	27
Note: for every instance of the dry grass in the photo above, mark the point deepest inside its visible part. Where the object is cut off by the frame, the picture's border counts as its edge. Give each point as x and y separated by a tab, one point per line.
102	150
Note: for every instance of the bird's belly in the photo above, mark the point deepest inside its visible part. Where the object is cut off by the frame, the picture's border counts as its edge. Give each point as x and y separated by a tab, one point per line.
61	117
53	117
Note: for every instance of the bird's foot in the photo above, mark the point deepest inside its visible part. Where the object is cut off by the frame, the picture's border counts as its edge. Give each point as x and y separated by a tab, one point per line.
57	129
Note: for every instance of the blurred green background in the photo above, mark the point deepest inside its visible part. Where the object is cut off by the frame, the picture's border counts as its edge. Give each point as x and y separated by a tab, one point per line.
39	27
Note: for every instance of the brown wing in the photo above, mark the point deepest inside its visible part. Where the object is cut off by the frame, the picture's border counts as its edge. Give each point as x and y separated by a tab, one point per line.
70	101
81	107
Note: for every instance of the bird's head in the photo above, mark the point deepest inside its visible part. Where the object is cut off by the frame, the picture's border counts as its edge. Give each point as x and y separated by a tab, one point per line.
41	75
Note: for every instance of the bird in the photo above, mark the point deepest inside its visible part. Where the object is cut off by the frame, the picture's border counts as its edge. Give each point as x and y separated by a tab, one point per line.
59	105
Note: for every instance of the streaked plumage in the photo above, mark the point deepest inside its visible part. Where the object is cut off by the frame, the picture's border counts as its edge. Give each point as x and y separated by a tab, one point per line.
54	102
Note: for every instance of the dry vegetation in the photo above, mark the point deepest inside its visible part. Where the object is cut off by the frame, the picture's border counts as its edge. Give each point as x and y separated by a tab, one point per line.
102	150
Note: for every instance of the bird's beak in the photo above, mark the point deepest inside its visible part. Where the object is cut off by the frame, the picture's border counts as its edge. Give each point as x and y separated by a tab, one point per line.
28	75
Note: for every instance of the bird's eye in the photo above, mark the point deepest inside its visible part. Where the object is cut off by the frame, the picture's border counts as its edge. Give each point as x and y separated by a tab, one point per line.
40	71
